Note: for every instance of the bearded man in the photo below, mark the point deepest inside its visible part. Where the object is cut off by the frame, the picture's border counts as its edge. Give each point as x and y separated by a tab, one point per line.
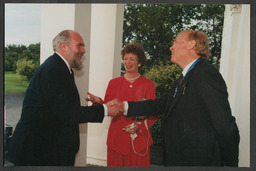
47	133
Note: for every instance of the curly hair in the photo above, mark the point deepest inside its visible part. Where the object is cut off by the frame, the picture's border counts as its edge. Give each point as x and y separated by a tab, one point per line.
136	49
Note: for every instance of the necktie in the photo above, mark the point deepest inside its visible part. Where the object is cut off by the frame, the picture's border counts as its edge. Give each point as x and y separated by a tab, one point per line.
180	79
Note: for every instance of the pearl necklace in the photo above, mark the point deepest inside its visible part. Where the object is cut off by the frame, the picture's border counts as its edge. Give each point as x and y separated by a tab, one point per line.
131	79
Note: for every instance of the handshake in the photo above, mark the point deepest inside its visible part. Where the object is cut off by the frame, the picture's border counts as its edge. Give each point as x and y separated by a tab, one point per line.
115	107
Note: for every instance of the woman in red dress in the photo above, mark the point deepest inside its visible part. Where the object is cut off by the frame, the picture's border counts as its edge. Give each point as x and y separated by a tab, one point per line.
129	139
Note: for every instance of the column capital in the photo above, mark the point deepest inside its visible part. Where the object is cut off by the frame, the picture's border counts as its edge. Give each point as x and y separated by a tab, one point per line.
234	9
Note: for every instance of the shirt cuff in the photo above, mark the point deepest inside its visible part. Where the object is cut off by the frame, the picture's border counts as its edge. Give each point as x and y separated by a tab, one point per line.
126	106
105	109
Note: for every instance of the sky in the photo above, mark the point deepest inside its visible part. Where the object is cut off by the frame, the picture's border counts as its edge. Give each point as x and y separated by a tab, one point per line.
22	23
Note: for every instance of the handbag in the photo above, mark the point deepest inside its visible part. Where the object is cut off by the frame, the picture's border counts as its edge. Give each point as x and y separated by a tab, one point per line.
133	136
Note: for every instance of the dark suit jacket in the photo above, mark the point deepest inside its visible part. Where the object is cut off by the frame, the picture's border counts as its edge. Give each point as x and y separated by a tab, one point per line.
48	130
198	128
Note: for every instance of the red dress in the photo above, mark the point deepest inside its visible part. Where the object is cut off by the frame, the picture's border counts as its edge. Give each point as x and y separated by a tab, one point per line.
120	150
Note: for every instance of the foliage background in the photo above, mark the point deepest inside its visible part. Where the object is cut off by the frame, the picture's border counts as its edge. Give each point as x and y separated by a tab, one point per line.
155	26
22	60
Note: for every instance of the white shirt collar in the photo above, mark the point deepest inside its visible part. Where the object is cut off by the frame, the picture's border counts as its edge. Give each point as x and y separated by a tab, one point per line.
66	62
185	70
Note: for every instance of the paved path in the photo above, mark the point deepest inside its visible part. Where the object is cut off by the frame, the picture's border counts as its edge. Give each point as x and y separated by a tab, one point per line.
13	106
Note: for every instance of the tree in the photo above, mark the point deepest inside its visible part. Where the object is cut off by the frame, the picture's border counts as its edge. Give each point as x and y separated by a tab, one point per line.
15	48
149	25
156	25
34	50
12	58
13	53
213	15
25	68
7	65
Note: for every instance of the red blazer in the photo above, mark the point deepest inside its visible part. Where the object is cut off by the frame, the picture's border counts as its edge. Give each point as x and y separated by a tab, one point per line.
118	139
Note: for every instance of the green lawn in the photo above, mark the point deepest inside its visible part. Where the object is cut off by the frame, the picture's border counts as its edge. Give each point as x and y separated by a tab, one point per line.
13	84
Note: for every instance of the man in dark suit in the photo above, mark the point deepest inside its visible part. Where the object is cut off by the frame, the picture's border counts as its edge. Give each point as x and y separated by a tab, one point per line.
198	128
47	133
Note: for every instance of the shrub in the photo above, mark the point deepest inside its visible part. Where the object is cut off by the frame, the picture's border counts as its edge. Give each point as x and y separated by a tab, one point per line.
7	65
163	76
25	68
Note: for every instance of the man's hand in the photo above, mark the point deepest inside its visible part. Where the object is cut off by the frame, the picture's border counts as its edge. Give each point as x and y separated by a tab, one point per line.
115	107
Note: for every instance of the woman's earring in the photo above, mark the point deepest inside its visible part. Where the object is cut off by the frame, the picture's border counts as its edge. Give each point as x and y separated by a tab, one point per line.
139	65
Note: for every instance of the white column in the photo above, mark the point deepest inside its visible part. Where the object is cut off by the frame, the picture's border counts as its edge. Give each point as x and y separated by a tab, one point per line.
101	27
82	24
105	64
235	69
54	19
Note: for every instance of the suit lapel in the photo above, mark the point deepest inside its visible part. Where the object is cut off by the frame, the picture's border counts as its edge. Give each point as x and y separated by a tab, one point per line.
173	100
68	75
170	95
64	67
177	96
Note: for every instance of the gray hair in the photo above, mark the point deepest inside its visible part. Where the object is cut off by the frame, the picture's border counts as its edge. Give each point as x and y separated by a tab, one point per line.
63	36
